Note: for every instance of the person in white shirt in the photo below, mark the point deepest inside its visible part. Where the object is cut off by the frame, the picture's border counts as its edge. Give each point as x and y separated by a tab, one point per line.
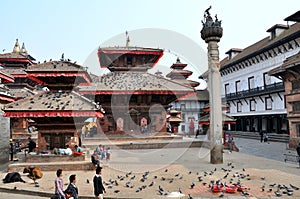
68	150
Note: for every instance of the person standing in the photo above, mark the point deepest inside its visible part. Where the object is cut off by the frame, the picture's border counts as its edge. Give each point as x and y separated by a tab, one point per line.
261	136
98	185
11	151
298	152
59	185
72	186
31	145
108	153
95	158
229	141
266	136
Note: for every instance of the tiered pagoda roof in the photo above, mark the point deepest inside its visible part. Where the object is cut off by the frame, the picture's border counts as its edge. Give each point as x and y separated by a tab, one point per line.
18	57
180	75
57	75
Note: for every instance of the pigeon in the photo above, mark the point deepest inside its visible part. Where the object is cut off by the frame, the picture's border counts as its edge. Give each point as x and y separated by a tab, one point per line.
116	183
160	188
294	187
244	193
192	185
222	194
166	170
151	184
263	187
277	193
177	174
179	190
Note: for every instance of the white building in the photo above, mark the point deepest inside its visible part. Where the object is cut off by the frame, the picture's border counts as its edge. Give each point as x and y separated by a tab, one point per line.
191	109
257	100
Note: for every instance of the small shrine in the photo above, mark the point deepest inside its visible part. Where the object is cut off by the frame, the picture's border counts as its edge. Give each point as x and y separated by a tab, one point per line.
174	120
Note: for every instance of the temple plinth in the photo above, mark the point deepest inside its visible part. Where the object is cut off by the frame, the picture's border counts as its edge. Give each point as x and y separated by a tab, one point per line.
211	33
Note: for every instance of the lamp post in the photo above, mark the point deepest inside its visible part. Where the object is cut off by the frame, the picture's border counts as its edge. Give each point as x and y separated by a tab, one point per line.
211	33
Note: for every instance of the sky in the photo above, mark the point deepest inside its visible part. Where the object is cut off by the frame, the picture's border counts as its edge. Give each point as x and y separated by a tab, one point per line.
78	27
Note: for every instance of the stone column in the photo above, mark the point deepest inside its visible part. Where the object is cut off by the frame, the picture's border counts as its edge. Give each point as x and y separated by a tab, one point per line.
212	33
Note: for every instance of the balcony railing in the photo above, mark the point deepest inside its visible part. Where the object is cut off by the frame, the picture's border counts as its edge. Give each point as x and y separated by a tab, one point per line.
263	90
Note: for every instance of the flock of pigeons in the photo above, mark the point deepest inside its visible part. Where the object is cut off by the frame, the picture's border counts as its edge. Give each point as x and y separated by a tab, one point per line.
131	182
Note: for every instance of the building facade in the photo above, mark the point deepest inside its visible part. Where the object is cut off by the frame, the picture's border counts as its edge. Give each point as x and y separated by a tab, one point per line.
256	99
191	110
289	73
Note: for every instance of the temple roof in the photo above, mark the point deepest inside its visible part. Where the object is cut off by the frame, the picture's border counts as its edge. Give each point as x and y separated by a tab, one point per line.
5	95
5	76
56	66
60	71
20	93
289	63
179	72
128	58
199	95
135	83
53	104
225	118
263	45
14	71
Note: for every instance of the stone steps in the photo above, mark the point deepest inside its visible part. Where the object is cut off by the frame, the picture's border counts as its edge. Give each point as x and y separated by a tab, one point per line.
274	137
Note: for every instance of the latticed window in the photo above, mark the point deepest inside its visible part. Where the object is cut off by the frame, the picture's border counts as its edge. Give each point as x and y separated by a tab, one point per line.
298	129
296	84
296	106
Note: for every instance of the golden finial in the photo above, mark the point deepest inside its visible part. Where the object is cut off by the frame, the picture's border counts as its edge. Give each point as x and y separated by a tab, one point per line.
23	49
127	39
17	47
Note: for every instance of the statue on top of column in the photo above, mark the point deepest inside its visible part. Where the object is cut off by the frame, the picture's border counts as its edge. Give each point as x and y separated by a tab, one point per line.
208	20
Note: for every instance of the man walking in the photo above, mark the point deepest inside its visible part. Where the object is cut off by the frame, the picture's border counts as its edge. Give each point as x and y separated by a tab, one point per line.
98	186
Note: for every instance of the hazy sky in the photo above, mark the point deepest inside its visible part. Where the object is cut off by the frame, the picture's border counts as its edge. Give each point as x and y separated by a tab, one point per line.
76	27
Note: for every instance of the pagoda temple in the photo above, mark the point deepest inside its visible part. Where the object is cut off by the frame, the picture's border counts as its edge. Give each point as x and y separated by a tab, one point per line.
134	100
17	84
180	75
45	99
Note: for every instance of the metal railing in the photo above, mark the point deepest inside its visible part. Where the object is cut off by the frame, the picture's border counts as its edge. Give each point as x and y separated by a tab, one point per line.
263	90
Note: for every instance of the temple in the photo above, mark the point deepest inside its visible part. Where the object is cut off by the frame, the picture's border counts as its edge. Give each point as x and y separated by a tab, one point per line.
134	100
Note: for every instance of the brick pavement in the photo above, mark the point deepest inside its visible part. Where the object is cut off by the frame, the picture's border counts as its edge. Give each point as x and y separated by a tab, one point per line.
182	160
